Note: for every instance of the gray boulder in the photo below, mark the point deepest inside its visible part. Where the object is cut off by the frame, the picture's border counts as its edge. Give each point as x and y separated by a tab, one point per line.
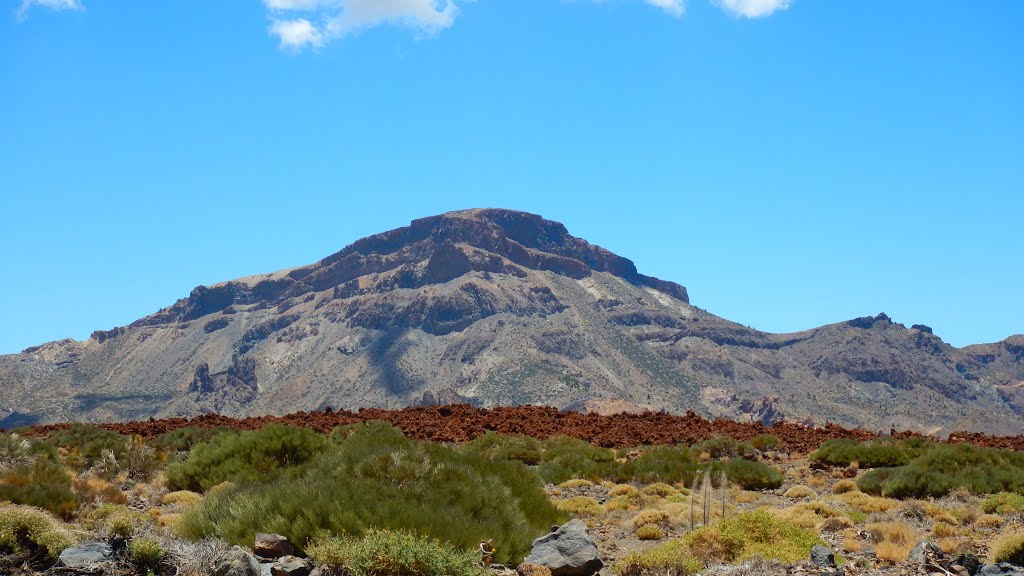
236	561
924	550
822	556
568	551
86	555
1001	569
291	566
272	546
969	562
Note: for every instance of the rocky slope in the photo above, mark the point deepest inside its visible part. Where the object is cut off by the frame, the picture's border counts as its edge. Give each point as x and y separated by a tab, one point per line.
495	307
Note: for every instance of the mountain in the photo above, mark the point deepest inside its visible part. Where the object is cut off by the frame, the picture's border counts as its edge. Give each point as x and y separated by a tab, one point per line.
496	307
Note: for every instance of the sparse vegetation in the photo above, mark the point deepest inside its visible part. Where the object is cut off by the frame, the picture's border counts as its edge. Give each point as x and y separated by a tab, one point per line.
1008	548
41	530
394	553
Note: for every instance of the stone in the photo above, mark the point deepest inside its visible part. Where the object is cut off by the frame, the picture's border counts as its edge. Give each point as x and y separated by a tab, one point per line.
272	546
1001	569
822	556
568	551
969	562
86	555
236	561
292	566
923	551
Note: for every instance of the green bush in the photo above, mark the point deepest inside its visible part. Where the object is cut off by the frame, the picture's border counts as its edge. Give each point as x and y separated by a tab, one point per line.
672	557
244	457
945	467
565	457
1003	503
1008	548
494	446
670	464
42	483
372	476
184	439
873	481
750	475
873	454
723	446
145	553
764	442
42	530
394	553
85	444
757	533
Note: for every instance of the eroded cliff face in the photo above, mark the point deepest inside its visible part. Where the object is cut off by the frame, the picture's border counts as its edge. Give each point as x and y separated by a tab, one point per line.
501	307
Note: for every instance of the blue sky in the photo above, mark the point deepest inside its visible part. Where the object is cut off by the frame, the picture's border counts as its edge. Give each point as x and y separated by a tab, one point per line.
791	163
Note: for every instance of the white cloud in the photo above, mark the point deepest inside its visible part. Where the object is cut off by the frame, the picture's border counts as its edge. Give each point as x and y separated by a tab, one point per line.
753	8
672	7
312	23
296	34
57	5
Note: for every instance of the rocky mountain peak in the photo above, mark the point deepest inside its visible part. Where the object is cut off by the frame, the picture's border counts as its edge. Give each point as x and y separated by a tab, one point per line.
432	250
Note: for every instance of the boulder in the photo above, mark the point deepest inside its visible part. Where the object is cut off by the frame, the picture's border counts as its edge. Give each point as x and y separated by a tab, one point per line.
292	566
568	551
969	562
1001	569
272	546
924	550
822	556
236	561
86	555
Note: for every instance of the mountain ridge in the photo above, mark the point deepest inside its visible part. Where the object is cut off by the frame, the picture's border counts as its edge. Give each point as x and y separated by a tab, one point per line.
492	306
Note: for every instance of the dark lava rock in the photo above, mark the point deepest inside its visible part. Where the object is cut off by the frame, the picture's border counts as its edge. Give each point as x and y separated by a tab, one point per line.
822	556
1001	569
568	551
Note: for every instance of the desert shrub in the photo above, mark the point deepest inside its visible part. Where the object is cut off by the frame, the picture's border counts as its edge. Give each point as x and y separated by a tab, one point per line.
866	503
988	521
873	481
649	532
85	444
750	475
394	553
245	457
42	530
800	491
184	439
373	476
94	490
623	490
723	446
672	557
15	451
943	530
872	454
565	458
661	464
182	498
751	534
844	486
764	442
145	553
659	489
575	483
650	516
500	447
1008	548
895	540
41	483
1002	503
580	506
943	468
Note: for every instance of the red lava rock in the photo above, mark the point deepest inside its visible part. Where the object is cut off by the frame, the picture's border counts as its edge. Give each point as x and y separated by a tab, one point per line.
462	422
